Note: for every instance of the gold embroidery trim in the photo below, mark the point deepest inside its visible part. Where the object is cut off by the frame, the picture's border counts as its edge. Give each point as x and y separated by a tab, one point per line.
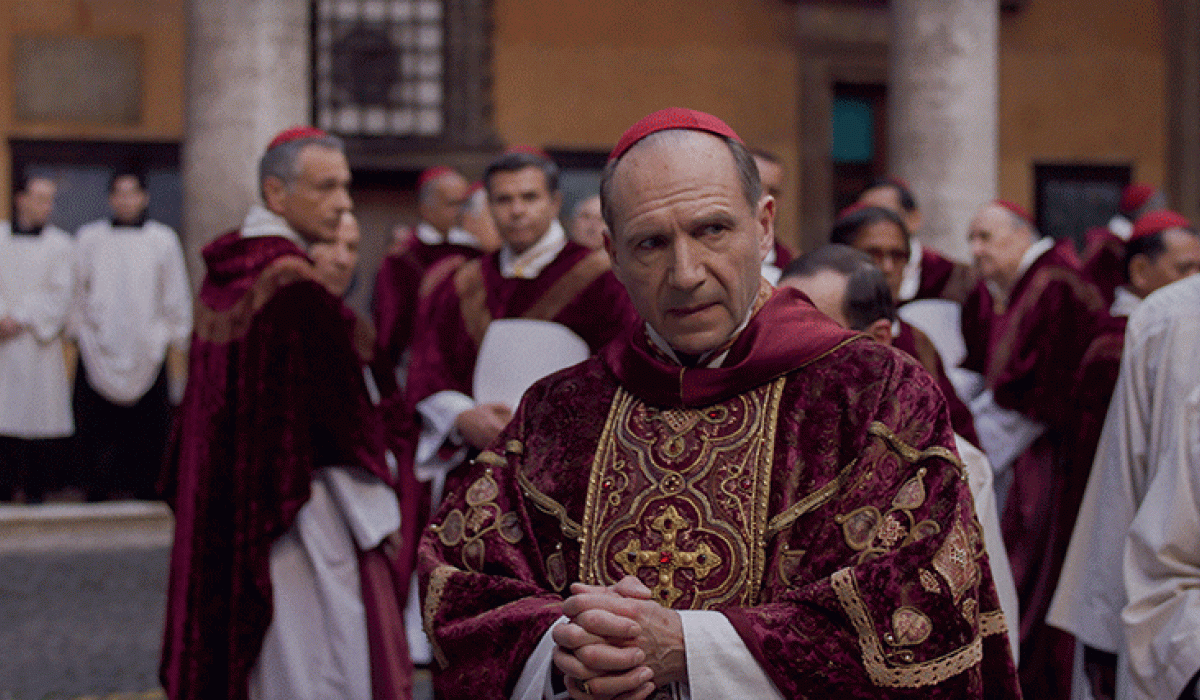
992	622
912	454
809	503
910	676
514	447
758	547
619	406
569	286
491	458
551	507
433	600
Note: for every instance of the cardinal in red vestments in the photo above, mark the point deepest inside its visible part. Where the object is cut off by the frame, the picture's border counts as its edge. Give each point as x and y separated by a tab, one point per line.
282	581
737	497
1027	326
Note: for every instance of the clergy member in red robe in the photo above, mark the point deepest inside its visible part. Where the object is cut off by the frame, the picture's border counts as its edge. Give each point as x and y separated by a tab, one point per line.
538	274
927	273
1027	326
281	584
738	496
1103	258
420	259
884	236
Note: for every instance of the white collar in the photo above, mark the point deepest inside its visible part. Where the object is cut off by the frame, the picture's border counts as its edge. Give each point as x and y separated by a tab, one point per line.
529	265
1121	227
1032	253
1124	302
705	361
912	271
261	221
429	235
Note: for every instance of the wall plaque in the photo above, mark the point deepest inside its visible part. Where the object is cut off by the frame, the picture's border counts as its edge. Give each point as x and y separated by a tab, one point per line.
89	80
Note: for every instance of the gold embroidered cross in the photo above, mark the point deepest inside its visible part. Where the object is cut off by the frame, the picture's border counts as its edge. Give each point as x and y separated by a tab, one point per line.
668	559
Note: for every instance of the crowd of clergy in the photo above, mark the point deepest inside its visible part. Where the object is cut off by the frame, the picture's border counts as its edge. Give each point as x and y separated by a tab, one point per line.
866	468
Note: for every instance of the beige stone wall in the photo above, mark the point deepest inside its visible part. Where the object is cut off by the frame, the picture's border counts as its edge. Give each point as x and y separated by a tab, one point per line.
157	25
1082	81
575	73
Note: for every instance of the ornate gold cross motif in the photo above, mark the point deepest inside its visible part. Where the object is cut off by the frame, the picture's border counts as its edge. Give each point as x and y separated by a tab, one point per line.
668	559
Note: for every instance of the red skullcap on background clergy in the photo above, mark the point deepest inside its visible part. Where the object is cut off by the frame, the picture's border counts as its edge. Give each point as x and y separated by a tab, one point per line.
529	151
672	118
1134	197
296	133
1157	222
430	174
847	211
1016	209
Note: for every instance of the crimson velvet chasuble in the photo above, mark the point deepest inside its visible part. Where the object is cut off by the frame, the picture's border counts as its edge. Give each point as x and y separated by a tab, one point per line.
275	392
808	489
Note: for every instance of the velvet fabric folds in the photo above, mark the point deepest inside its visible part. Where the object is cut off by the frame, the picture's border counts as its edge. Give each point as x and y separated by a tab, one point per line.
810	488
577	289
1029	349
400	285
275	391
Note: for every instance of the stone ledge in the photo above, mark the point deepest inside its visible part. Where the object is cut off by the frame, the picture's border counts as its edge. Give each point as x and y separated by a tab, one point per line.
84	526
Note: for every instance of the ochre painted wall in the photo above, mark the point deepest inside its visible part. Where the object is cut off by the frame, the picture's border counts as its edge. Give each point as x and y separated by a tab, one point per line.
574	74
158	24
1081	82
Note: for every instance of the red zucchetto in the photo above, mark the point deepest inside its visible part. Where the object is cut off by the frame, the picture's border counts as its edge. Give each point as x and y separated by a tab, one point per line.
1016	209
1157	222
672	118
296	133
1134	197
847	211
430	174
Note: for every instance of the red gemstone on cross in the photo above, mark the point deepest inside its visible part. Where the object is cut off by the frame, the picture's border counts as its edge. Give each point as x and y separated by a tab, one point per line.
664	557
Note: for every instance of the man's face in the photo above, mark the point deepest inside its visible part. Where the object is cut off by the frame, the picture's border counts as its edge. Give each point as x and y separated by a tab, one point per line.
318	195
35	202
887	246
587	226
1180	259
771	175
827	290
888	197
522	206
127	199
997	244
443	208
335	260
687	245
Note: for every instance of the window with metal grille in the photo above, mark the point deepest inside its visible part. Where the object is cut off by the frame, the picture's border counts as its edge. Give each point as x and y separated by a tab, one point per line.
379	67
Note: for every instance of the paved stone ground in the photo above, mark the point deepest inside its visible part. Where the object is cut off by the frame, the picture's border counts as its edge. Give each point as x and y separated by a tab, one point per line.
86	623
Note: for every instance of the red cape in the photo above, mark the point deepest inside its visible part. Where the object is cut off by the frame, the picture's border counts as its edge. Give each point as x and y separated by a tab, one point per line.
275	392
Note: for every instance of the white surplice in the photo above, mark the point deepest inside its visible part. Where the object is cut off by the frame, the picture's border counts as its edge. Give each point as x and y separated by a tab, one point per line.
132	300
35	290
1143	432
1161	621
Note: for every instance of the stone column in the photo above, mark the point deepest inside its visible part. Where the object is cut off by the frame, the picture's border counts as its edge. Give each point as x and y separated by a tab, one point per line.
247	78
943	83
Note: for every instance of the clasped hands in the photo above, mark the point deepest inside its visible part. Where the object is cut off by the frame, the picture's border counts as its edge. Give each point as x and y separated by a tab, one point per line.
618	643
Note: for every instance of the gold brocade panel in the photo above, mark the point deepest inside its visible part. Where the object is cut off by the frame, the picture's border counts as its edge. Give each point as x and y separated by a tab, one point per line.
678	498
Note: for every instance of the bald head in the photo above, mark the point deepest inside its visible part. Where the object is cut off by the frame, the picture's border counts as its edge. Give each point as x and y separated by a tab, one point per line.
440	200
689	229
999	238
